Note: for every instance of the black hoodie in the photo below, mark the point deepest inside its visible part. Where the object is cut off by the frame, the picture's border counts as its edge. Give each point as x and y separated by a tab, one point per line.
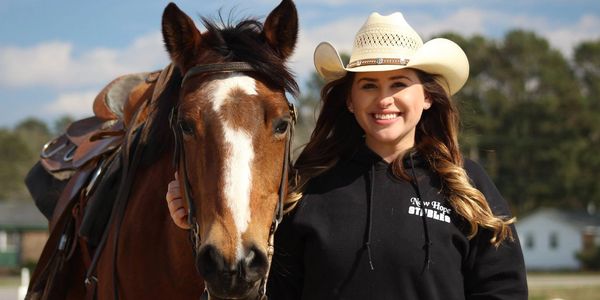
358	233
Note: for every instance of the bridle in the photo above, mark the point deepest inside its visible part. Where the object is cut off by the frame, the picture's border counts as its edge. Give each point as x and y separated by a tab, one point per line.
180	165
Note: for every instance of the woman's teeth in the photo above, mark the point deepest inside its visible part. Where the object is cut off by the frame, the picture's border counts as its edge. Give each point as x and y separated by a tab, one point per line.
386	116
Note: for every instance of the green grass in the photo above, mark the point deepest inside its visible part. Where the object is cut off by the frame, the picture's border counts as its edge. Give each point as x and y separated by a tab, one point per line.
10	280
579	293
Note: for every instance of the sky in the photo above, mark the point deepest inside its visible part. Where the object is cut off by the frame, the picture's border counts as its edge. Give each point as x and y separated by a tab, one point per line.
55	56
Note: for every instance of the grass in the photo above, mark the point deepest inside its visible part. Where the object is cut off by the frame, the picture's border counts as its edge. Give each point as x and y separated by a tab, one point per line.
564	293
564	285
589	292
10	280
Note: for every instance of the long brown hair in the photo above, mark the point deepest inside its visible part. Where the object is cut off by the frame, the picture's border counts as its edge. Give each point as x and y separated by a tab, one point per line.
337	134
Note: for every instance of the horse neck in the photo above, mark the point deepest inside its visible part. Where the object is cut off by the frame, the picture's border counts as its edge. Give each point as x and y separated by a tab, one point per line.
150	233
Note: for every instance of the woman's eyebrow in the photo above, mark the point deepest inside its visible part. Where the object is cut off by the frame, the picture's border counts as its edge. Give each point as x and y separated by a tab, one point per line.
367	79
370	79
400	77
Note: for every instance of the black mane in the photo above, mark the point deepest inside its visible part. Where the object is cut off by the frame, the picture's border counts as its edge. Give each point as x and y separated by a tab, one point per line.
244	42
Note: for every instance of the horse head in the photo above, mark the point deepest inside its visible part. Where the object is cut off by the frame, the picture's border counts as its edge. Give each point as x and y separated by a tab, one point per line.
232	123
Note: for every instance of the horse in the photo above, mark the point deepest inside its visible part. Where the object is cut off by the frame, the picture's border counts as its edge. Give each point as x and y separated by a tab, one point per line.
219	117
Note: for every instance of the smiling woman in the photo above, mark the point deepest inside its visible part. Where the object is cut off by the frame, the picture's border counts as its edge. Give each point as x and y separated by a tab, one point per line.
387	106
382	204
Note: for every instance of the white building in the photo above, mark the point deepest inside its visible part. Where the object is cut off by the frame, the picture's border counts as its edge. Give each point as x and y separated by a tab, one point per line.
550	238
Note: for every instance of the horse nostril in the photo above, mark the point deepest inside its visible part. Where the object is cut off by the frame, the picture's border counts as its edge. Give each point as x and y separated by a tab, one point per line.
209	261
254	265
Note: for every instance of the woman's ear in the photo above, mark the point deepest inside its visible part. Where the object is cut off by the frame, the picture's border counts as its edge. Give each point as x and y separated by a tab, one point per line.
349	105
428	103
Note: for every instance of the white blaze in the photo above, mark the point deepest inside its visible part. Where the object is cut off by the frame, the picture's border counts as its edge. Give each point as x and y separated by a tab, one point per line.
239	156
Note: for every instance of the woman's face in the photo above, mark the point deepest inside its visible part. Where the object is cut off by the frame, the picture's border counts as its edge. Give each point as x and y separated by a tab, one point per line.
388	105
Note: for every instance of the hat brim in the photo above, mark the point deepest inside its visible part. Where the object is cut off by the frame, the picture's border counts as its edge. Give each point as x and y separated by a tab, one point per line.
438	56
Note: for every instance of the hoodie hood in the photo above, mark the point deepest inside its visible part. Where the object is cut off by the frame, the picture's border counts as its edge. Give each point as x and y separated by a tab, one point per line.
367	157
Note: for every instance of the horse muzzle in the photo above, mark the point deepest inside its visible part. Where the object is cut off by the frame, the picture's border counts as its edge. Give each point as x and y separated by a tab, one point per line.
237	280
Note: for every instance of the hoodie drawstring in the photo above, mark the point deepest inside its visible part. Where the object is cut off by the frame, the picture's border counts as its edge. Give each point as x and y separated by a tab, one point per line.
428	243
370	216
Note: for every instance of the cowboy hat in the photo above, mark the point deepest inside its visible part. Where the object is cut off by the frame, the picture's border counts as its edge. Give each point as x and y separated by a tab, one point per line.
387	43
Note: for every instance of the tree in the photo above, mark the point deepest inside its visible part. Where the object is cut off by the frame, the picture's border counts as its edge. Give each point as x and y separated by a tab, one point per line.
521	109
14	164
19	151
34	133
61	124
587	62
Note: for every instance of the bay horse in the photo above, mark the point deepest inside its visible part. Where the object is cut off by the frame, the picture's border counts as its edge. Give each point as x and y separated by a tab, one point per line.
223	122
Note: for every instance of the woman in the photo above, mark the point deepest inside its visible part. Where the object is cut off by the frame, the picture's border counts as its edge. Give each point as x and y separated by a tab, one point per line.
383	205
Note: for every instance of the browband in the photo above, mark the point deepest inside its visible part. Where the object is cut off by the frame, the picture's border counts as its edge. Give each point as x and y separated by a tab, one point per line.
218	67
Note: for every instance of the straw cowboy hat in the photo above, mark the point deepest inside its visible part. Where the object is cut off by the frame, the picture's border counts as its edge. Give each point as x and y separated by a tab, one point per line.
387	43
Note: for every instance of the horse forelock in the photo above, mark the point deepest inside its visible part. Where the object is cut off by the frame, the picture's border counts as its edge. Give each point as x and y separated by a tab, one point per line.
245	42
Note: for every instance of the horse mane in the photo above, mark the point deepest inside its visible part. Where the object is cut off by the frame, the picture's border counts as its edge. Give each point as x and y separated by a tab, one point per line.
243	42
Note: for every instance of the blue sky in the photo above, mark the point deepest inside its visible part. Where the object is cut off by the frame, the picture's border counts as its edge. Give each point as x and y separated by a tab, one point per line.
56	55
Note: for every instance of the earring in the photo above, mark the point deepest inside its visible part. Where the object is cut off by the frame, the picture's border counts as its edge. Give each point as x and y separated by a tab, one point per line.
350	109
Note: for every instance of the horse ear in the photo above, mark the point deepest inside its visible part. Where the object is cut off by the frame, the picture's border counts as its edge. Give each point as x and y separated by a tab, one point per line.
281	28
180	35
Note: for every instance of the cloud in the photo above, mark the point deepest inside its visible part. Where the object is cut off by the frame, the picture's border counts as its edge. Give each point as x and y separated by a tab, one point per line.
562	36
565	38
58	65
466	21
54	64
75	104
339	32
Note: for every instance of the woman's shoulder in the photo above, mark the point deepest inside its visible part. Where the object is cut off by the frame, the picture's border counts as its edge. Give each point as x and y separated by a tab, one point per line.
482	181
476	172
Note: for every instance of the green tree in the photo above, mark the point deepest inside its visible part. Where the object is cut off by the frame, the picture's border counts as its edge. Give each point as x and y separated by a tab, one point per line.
61	124
521	113
15	160
34	133
19	151
587	63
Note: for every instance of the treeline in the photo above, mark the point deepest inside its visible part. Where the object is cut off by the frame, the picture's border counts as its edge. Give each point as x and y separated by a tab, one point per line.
530	116
19	150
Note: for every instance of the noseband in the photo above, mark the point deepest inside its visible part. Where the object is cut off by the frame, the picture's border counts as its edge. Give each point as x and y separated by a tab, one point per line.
179	161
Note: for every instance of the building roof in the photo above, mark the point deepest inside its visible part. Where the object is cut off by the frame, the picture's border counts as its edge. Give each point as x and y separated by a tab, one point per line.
21	215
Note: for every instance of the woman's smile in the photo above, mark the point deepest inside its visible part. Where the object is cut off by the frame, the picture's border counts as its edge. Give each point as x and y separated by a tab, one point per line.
386	118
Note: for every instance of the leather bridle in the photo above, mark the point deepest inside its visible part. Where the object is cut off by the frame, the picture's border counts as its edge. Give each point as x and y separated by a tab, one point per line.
179	161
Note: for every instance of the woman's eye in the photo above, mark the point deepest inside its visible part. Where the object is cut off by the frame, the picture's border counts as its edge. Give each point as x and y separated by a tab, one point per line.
399	85
368	86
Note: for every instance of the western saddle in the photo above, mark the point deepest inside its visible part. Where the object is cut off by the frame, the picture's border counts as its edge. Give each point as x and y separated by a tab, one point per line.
66	183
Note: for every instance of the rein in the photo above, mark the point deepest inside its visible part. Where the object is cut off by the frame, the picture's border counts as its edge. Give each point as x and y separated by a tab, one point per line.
179	161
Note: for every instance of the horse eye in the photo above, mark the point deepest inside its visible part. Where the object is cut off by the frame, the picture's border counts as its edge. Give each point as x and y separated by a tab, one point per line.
186	128
281	126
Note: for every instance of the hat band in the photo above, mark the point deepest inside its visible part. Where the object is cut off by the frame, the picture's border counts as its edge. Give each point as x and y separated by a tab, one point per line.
378	61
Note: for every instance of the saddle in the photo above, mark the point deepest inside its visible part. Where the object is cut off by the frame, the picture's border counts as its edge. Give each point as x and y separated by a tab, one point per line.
76	180
87	142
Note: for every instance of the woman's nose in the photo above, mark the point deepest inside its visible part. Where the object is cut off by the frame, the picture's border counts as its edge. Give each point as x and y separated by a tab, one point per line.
386	101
